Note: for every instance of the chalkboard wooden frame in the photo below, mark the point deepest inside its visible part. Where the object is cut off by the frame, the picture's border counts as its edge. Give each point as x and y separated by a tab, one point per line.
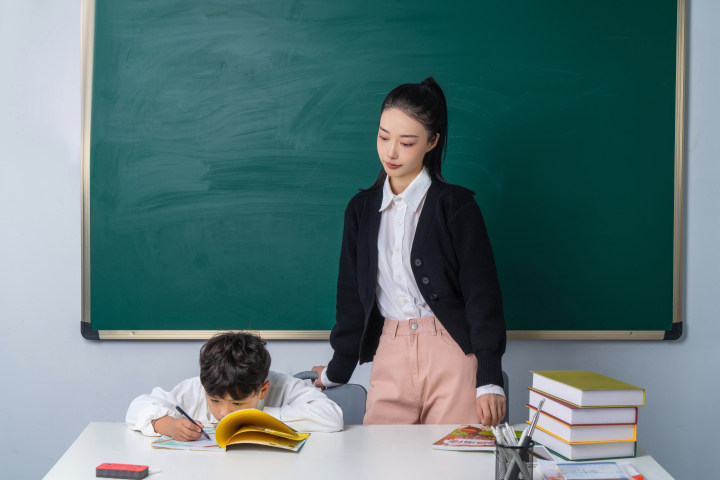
87	47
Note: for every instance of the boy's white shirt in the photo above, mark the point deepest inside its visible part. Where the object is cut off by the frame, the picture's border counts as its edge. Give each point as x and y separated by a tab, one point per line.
290	400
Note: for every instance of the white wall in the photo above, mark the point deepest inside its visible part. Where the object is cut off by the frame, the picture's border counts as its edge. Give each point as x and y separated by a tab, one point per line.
54	381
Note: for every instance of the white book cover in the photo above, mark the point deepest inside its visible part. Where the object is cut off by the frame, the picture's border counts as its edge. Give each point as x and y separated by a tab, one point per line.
584	433
588	389
575	415
584	451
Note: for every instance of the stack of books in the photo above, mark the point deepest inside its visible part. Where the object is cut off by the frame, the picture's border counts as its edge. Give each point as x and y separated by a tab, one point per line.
586	416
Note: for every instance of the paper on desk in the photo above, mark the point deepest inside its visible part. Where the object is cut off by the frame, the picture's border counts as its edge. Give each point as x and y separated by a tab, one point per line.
592	471
583	471
549	470
201	445
543	453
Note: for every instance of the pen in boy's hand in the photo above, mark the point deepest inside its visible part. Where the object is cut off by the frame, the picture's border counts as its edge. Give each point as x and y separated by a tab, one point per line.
193	421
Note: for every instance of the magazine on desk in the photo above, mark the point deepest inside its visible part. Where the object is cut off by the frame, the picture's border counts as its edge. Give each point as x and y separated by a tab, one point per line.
469	438
474	438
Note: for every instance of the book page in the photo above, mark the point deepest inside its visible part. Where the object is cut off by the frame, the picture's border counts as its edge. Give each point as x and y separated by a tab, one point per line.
203	444
251	417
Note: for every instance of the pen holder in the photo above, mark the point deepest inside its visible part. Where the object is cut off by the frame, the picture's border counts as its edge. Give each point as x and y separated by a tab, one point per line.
514	463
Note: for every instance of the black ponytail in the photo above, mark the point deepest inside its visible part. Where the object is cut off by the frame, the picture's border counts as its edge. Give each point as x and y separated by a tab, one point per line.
424	102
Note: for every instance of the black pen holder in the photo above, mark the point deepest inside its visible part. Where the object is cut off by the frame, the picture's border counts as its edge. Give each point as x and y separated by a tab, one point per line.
514	463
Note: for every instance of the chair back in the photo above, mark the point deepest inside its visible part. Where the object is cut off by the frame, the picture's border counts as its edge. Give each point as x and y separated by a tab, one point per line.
349	397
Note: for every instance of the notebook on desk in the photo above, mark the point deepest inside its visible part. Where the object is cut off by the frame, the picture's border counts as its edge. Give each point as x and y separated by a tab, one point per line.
249	426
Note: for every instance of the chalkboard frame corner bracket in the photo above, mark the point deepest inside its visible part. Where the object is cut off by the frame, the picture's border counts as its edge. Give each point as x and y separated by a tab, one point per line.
87	331
675	331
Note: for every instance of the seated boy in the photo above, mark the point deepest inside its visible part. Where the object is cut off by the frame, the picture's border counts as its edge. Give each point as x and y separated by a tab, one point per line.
234	375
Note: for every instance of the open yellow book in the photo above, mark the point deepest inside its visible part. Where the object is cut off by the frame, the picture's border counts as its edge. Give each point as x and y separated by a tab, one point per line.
256	426
243	426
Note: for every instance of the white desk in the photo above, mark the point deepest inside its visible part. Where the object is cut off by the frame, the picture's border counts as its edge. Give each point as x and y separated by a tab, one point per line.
371	452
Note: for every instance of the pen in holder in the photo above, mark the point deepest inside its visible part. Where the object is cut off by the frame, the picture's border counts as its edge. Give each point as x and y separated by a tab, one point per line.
514	462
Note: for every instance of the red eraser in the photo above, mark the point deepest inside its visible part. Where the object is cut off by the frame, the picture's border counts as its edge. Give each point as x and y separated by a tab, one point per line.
119	470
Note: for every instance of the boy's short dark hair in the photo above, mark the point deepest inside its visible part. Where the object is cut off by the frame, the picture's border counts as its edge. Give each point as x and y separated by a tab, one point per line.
234	363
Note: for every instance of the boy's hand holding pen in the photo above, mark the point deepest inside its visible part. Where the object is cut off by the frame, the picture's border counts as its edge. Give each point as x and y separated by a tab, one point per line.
181	429
185	430
198	425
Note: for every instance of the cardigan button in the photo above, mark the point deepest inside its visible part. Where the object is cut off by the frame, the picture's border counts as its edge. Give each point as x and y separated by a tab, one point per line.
425	280
433	296
418	262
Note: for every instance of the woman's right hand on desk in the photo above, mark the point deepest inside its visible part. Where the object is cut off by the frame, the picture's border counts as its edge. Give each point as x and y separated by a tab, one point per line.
180	429
318	383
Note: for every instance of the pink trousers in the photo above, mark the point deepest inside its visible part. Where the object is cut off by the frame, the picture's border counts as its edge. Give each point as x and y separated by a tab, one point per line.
420	375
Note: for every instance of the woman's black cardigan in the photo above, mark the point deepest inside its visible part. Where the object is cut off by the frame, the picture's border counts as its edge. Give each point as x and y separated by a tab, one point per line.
454	268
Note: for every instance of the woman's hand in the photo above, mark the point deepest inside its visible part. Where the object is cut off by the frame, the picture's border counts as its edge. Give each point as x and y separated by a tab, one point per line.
491	409
318	382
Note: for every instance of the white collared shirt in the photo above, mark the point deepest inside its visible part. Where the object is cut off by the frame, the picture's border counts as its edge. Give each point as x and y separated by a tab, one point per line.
290	400
397	293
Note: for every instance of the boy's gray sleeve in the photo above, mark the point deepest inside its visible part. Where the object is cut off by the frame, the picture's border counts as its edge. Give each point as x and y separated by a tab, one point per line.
303	407
144	410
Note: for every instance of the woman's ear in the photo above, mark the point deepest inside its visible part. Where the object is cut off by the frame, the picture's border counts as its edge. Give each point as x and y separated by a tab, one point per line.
264	389
432	144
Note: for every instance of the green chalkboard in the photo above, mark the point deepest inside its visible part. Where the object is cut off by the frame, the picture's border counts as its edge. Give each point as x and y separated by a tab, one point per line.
228	136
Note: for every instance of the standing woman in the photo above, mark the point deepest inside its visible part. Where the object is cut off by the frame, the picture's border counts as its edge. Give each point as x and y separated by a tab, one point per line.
418	293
